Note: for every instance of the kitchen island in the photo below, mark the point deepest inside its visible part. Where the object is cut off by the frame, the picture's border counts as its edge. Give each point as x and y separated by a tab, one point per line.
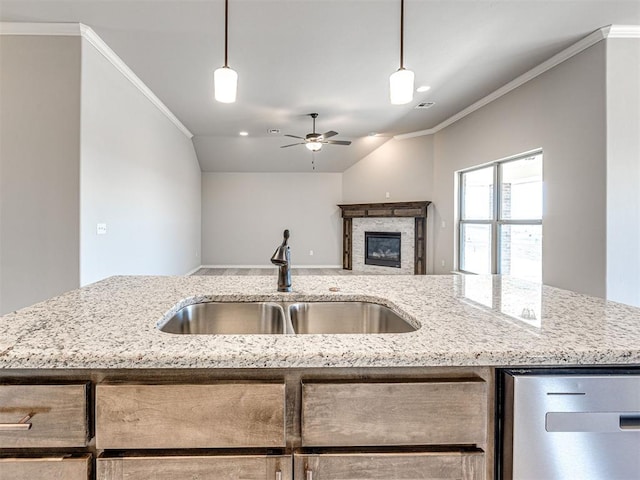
461	320
110	396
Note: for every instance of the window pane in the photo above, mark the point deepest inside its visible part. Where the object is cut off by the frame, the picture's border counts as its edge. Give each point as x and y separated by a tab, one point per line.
477	194
475	248
521	251
521	189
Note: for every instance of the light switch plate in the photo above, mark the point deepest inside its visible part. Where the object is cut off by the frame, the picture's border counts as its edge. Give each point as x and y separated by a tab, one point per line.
101	228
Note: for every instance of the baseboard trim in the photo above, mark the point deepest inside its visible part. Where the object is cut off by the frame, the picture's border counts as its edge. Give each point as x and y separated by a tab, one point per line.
191	272
270	266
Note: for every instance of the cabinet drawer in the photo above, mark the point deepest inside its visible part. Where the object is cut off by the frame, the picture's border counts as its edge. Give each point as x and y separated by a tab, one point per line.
50	468
58	416
417	413
245	467
396	466
190	416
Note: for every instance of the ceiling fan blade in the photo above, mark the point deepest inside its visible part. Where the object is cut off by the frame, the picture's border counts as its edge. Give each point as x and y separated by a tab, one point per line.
329	134
293	136
293	144
338	142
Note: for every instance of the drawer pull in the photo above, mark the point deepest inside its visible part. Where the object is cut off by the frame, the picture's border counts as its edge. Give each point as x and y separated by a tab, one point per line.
278	475
21	425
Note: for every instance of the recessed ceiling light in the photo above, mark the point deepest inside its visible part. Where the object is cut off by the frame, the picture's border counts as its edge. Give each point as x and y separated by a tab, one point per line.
373	134
243	134
423	88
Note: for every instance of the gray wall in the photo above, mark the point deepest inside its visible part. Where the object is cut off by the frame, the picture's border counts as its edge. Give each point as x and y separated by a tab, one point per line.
623	170
39	168
563	112
244	215
139	175
404	168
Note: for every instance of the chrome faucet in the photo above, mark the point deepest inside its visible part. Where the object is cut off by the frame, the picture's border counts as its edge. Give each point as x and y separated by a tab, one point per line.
282	258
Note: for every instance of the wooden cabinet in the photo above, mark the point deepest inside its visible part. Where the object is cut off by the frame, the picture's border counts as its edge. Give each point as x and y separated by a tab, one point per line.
405	413
43	416
241	467
49	468
287	424
459	465
226	415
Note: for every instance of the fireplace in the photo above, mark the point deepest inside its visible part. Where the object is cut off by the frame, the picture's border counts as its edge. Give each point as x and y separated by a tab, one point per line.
382	248
409	218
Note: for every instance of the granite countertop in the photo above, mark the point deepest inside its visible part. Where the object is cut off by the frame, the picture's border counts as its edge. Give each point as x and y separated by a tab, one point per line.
463	320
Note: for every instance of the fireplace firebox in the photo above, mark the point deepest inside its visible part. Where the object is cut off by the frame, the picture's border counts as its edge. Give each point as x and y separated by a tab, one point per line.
382	248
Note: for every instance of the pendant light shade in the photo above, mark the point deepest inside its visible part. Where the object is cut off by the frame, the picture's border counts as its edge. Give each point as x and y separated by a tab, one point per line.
225	82
401	86
401	81
225	79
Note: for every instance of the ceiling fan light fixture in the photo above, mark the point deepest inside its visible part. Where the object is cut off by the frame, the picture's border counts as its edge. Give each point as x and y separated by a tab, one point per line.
313	146
225	79
401	86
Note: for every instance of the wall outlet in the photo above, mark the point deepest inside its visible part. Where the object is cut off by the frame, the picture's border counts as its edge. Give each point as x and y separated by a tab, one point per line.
387	195
444	224
311	253
101	228
443	263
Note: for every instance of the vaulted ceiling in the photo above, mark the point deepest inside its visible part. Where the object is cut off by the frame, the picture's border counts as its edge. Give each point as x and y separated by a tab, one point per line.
334	57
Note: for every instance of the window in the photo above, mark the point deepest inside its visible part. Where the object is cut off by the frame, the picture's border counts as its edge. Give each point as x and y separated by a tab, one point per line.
500	226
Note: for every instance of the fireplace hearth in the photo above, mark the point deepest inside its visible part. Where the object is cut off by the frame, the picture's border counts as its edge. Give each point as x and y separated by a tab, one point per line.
383	249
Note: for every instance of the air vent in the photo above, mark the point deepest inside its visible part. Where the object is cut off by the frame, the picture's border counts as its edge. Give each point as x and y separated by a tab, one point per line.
273	131
425	105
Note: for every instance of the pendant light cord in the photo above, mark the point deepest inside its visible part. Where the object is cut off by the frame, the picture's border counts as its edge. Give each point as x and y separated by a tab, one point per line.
226	31
401	34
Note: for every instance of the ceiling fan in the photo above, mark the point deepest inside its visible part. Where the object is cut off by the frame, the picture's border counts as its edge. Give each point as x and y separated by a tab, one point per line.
314	141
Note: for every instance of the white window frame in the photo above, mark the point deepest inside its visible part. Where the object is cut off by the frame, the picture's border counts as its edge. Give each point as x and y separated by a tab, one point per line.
496	222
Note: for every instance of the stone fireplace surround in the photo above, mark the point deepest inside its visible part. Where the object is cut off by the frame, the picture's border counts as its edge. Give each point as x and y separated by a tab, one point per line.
409	218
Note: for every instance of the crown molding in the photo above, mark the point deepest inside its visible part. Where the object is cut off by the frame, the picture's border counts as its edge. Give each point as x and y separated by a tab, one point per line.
610	31
86	32
26	28
94	39
623	31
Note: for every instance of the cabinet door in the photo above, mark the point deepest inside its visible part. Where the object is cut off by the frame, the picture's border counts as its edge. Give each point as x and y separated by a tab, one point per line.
245	467
402	413
190	416
46	416
391	466
50	468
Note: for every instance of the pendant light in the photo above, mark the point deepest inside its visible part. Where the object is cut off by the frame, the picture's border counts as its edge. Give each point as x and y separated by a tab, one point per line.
401	81
225	79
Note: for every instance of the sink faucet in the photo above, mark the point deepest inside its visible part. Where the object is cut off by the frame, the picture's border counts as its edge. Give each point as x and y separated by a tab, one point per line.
282	258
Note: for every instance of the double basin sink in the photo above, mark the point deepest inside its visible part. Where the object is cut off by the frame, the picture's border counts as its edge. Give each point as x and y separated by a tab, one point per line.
276	318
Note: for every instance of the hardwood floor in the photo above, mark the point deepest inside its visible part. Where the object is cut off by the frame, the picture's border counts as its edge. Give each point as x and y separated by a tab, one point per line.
274	271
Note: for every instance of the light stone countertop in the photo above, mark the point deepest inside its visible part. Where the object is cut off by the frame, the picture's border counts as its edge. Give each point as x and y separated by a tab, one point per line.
464	321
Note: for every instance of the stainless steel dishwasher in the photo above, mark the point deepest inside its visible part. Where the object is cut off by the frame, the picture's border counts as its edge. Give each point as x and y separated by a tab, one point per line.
570	426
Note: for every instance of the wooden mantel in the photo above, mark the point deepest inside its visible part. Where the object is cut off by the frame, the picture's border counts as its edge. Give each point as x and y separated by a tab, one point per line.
417	210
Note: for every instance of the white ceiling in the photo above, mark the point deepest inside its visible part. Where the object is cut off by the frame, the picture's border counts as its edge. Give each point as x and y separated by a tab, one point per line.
333	57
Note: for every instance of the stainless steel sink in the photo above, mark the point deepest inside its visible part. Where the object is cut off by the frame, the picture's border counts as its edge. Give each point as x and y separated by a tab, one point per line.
269	318
228	318
345	317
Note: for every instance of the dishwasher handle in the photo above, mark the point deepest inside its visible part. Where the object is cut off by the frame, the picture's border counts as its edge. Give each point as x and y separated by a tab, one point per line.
630	421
